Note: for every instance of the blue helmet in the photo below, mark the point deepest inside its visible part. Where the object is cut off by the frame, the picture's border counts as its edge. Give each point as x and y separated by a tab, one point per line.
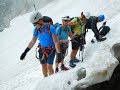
102	17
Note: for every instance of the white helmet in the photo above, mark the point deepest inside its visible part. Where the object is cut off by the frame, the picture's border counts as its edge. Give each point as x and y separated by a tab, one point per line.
66	18
86	14
35	16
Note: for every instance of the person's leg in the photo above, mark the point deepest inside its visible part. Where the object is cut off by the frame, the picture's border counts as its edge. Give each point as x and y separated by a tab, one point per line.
50	69
62	62
63	67
71	62
44	69
75	47
96	33
98	36
43	63
63	51
56	64
50	60
73	54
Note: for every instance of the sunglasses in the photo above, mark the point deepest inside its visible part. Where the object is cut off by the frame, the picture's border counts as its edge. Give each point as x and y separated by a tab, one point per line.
35	24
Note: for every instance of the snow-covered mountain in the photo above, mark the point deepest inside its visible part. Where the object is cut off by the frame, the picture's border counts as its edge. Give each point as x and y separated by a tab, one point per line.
9	9
99	61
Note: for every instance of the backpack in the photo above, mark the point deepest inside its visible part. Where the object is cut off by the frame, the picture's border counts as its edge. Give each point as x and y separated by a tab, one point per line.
57	25
83	25
104	30
62	29
47	20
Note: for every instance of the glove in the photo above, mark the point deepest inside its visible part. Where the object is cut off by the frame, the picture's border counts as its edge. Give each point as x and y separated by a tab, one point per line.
24	53
22	56
60	57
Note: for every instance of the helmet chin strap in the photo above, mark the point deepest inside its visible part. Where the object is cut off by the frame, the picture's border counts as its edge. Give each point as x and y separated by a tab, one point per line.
40	25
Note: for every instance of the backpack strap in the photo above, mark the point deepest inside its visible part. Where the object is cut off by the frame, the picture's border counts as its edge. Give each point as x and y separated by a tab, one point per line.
82	24
47	51
60	27
37	31
48	30
78	19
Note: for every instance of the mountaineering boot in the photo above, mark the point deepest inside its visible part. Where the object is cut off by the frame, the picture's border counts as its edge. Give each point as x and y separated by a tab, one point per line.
92	41
63	67
71	63
75	60
101	39
56	70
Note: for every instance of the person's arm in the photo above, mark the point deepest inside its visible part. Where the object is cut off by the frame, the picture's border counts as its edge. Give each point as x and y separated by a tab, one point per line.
32	42
70	34
94	28
73	22
56	42
74	34
57	46
30	45
94	25
64	41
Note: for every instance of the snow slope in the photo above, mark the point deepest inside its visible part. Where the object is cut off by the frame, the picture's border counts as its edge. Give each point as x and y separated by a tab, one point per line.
11	8
26	75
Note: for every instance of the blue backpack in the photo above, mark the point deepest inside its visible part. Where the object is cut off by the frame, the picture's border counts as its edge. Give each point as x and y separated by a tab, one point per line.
57	25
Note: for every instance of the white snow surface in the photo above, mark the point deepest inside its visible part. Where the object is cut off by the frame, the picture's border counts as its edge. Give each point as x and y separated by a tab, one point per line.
99	62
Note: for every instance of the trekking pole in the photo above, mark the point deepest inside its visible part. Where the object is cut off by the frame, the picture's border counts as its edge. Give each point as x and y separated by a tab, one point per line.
34	7
81	52
67	50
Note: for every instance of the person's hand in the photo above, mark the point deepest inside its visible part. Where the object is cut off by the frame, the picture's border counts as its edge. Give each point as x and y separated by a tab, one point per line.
64	41
22	56
24	53
77	23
